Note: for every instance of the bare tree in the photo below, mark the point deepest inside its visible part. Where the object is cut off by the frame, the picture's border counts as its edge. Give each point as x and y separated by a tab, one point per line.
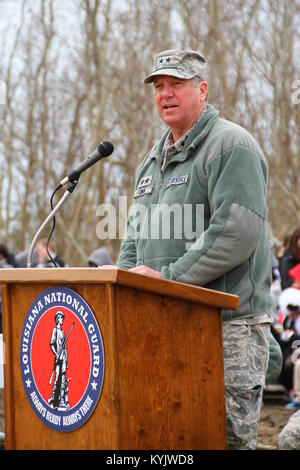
74	79
253	55
278	126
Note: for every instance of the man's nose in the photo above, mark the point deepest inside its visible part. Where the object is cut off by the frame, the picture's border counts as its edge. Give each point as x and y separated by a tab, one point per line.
167	91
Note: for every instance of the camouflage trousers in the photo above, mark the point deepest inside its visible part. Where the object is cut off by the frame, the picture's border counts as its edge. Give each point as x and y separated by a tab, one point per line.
246	353
289	438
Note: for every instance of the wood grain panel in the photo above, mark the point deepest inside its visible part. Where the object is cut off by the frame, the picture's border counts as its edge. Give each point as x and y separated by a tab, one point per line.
171	360
163	385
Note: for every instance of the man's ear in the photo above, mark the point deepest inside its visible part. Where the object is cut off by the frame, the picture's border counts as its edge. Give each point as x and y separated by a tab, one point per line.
203	89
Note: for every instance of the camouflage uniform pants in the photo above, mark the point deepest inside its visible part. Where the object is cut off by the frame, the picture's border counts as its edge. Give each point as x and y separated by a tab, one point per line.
246	352
289	438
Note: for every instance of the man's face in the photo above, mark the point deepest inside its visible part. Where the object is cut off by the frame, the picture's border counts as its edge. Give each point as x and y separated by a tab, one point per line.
178	102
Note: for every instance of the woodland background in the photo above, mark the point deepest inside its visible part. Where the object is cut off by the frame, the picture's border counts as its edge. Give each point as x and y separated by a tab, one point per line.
71	76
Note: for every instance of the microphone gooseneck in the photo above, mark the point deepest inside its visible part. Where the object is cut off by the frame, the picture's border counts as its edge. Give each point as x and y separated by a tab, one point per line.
103	150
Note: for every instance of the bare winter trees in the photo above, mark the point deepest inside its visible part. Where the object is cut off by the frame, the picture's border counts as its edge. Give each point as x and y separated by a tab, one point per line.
73	74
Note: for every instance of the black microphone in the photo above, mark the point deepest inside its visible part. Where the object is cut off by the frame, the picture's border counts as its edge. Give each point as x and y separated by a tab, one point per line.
103	150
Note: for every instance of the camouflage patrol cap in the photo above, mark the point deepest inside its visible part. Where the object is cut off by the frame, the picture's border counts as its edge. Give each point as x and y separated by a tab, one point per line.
182	64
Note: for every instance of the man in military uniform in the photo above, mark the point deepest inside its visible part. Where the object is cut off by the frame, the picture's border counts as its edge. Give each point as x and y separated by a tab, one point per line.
205	160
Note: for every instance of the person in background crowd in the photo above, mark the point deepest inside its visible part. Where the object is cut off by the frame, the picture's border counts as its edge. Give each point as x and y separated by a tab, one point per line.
44	259
100	257
295	403
294	274
283	247
289	337
289	437
7	259
275	288
21	258
274	263
290	259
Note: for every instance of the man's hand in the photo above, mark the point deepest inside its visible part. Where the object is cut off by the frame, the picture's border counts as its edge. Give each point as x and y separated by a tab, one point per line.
145	270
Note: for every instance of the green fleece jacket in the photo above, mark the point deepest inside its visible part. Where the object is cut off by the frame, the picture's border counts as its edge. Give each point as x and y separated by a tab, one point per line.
202	220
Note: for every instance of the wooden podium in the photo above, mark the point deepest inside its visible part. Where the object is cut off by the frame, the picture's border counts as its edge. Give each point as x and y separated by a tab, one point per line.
163	384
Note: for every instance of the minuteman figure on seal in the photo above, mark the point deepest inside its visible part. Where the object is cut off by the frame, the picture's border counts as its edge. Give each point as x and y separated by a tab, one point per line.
59	398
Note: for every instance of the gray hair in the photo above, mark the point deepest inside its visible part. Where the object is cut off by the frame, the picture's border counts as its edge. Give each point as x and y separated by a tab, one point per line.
197	80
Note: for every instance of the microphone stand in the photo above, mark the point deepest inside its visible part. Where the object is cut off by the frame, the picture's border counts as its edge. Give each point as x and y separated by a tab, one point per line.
65	196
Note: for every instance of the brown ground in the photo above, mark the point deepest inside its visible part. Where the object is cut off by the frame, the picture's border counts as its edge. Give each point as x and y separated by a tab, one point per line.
274	416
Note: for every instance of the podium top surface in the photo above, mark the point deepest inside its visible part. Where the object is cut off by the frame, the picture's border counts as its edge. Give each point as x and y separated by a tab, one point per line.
118	276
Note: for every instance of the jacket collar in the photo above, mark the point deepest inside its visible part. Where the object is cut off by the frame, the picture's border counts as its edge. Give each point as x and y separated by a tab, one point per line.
198	133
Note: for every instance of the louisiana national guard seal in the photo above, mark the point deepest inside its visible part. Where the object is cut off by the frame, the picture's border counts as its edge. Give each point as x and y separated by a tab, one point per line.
61	359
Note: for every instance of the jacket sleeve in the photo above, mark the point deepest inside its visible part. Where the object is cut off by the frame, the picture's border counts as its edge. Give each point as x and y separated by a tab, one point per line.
236	185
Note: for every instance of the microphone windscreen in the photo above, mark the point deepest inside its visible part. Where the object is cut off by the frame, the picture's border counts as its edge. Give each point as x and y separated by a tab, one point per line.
105	148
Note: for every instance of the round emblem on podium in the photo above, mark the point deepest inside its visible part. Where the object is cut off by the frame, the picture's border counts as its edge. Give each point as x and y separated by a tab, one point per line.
61	359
